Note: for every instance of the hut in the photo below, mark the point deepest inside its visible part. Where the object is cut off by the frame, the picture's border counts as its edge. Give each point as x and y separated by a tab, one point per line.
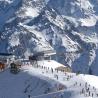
6	57
64	68
15	68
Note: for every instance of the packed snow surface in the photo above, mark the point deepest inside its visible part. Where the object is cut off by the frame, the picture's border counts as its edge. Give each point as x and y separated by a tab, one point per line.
50	63
92	80
69	27
34	81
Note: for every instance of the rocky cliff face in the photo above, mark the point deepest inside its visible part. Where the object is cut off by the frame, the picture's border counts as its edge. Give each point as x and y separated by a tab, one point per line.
68	26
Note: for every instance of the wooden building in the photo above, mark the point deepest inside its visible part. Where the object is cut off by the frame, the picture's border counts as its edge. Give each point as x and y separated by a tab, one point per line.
64	69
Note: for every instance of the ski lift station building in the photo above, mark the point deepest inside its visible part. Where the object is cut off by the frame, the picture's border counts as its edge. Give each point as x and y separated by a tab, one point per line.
47	55
44	59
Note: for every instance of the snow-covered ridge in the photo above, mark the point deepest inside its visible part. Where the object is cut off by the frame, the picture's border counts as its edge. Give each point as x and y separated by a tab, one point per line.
41	82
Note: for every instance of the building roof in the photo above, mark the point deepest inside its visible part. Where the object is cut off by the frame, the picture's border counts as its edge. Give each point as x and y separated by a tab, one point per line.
45	53
6	54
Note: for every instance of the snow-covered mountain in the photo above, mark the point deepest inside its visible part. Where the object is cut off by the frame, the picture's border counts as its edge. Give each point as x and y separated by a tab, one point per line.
67	26
37	82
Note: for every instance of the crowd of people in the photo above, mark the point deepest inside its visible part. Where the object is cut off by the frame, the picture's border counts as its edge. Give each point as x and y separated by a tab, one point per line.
86	89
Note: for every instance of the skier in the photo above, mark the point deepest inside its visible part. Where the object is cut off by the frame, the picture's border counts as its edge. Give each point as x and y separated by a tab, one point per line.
82	91
29	96
92	94
61	95
80	84
97	95
52	70
57	77
89	93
